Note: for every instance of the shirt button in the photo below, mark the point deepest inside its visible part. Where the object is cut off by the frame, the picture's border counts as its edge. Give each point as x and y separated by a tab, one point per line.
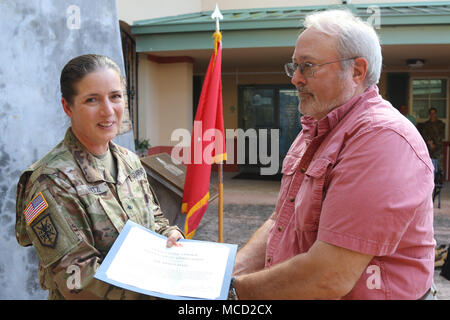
302	170
269	259
130	207
280	228
291	199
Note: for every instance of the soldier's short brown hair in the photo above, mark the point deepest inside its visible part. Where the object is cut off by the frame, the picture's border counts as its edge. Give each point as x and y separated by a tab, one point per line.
77	68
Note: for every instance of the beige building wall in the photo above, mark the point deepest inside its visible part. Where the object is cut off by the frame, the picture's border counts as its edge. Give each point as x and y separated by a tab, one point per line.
134	10
165	100
175	110
165	90
148	100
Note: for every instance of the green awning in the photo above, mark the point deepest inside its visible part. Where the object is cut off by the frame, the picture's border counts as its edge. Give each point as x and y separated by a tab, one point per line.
402	23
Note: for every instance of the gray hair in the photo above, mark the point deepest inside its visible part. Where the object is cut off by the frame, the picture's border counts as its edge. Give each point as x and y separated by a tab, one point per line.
355	38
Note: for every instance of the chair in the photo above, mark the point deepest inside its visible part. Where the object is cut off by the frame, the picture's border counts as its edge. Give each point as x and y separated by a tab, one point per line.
438	182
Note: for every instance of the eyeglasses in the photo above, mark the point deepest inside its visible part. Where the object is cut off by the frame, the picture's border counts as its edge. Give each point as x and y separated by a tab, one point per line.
307	68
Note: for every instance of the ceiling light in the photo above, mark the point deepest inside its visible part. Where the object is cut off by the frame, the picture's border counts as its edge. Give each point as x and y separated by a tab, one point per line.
415	63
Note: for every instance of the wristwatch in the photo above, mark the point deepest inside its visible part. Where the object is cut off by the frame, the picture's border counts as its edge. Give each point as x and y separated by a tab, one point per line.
232	295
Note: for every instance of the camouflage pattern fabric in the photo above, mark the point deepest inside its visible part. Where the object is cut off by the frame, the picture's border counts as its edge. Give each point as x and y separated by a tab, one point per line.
86	211
436	131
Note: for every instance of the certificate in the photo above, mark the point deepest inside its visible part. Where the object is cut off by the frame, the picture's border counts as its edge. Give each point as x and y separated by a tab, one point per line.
139	261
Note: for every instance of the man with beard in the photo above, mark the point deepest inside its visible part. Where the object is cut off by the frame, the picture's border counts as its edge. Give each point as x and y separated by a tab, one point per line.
354	216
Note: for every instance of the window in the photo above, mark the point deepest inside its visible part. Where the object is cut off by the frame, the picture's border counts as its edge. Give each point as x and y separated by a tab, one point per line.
269	106
427	93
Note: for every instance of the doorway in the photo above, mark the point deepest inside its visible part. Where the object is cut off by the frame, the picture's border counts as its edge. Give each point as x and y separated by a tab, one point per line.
263	108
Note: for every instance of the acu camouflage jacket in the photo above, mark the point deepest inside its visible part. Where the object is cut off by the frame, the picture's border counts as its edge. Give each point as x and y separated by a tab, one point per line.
71	210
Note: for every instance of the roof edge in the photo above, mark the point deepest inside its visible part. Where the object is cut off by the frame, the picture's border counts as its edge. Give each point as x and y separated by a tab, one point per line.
292	17
306	8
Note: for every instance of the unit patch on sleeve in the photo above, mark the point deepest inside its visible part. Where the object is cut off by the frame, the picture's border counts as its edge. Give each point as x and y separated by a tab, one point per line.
35	207
46	231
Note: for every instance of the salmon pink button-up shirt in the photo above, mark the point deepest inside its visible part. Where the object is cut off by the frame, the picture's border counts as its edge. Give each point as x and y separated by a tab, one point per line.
360	178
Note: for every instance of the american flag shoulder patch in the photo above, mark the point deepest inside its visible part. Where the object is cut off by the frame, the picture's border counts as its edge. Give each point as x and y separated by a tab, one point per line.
35	207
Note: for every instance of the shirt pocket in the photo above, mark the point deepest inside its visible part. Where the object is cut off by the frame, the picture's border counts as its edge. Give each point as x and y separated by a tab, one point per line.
290	165
311	195
138	201
107	220
146	205
288	169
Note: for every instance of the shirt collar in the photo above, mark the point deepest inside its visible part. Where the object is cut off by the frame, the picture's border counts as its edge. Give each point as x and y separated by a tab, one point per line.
90	167
124	165
312	127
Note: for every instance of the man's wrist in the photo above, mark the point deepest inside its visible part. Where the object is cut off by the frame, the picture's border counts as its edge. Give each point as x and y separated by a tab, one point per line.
232	294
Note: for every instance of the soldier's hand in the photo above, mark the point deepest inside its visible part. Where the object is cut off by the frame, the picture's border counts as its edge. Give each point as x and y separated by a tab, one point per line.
172	239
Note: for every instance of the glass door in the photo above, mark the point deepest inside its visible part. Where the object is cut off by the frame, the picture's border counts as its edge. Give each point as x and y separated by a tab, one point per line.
262	109
290	124
430	93
259	115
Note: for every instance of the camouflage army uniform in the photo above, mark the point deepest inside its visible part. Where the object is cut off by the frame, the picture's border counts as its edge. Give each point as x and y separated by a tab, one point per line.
435	130
86	211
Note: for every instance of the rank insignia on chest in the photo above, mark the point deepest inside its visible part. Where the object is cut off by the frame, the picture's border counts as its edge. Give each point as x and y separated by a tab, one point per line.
35	208
46	231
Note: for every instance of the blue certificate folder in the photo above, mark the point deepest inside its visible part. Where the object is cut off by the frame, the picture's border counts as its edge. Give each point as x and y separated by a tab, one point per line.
101	273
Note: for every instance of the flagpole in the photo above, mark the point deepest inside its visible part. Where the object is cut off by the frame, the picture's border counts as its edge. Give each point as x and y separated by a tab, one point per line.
217	15
220	204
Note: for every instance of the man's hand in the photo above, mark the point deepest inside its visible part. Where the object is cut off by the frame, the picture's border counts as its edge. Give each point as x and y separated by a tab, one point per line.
251	257
326	271
172	239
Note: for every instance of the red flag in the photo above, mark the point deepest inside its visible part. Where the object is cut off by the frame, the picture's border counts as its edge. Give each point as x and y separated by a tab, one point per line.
207	143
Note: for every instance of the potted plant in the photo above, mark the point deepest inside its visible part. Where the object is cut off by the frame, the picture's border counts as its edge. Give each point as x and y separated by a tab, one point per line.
142	147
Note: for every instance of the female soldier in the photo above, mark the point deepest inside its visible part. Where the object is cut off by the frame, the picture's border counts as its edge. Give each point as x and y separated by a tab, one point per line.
72	204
